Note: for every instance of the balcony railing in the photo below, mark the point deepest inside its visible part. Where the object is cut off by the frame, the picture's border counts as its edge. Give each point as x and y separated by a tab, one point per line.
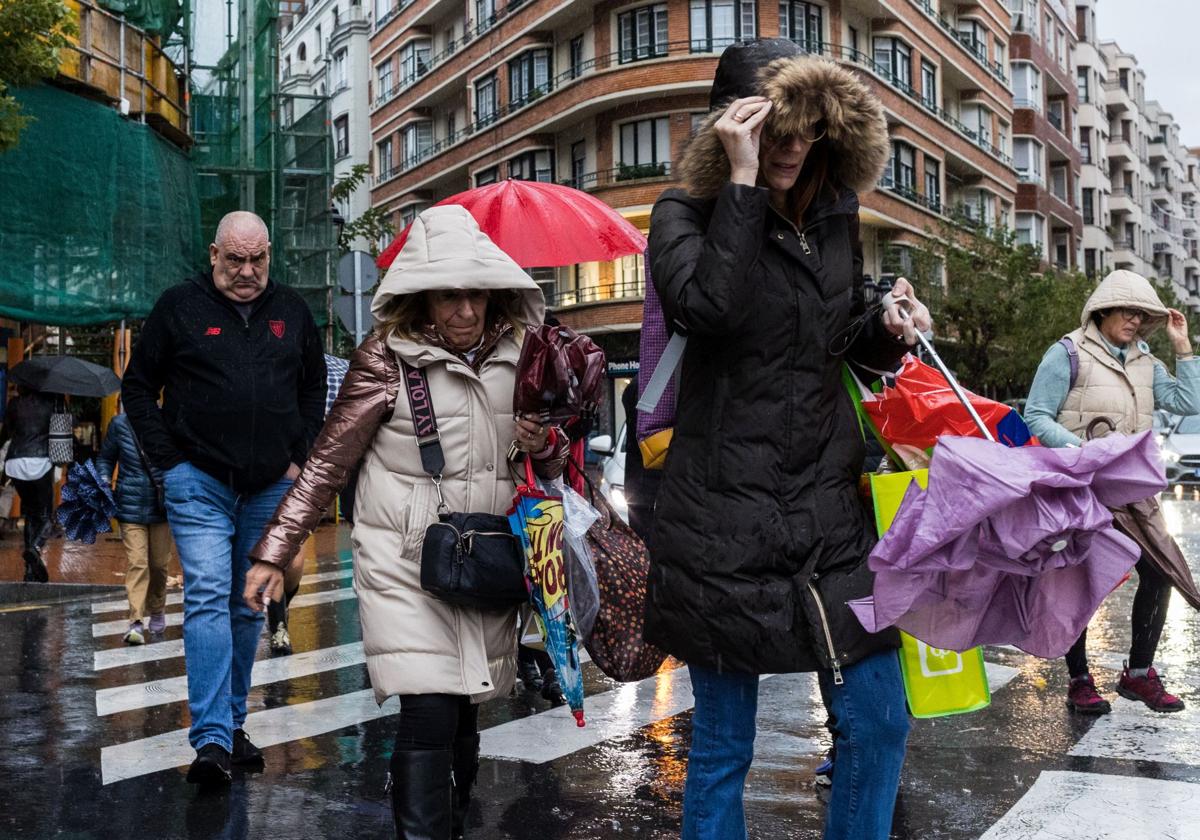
973	48
910	193
678	49
627	290
619	175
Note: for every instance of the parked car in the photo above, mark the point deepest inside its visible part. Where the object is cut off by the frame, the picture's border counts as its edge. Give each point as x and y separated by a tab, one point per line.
612	470
1181	450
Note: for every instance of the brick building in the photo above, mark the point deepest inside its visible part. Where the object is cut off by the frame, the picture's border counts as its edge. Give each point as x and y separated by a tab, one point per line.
602	96
1045	132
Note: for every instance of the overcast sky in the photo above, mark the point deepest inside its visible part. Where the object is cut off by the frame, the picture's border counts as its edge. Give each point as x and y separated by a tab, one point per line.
1165	37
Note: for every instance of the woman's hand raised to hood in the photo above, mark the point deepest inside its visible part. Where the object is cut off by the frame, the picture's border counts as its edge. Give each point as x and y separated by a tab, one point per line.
740	131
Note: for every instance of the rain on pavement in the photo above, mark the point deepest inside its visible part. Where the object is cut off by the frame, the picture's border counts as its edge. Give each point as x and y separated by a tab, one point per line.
93	738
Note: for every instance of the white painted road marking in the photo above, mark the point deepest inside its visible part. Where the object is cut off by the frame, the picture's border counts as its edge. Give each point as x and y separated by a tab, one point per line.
174	689
176	598
1097	806
266	729
1131	730
328	596
119	657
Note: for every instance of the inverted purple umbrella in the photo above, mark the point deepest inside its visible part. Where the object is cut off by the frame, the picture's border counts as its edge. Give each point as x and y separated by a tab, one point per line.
1010	546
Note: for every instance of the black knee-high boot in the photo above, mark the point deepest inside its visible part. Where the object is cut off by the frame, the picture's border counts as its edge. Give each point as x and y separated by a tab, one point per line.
421	794
466	768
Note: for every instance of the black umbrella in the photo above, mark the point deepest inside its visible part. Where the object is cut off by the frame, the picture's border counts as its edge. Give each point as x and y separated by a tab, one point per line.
66	375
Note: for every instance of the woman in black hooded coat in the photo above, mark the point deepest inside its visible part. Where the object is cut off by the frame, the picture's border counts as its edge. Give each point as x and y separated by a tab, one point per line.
760	536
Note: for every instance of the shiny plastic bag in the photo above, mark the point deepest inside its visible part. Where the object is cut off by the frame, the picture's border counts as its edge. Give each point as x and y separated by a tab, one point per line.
918	406
578	517
560	374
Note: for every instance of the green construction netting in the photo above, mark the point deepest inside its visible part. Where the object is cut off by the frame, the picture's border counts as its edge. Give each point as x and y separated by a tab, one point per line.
158	17
99	214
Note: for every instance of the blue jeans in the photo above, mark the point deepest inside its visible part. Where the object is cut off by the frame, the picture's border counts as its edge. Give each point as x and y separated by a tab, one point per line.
214	529
872	723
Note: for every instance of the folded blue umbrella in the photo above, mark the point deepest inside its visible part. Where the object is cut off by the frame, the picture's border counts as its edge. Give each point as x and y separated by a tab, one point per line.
87	505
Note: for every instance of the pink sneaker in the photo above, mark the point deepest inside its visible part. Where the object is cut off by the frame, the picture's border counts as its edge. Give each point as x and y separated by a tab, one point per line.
1149	690
1083	698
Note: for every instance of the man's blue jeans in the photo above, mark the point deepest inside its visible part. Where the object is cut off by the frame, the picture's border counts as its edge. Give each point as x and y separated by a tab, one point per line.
872	722
214	529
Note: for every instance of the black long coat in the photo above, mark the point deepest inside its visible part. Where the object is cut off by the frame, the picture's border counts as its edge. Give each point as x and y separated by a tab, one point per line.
760	534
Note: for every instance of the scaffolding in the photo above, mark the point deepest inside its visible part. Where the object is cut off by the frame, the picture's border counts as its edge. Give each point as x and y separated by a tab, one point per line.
257	149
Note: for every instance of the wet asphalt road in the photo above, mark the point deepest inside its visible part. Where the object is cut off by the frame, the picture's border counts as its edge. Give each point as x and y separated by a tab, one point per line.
88	742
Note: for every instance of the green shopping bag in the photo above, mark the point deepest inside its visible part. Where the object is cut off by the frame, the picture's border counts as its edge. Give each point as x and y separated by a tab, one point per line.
937	682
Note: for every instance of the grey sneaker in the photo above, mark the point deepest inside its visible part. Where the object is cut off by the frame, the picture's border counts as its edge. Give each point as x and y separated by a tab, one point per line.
158	623
135	634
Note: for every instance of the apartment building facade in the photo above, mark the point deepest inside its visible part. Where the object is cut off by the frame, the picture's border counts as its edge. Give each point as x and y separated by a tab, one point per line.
1095	194
602	96
1045	130
324	51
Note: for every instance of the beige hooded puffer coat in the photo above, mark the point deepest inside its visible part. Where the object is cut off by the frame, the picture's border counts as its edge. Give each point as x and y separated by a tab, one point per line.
415	643
1104	388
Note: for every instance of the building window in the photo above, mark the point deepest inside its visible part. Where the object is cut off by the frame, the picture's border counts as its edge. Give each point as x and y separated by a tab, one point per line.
528	76
1089	206
1056	114
409	213
532	166
929	84
1085	144
416	139
902	176
853	41
1031	231
317	44
718	23
1027	85
893	61
974	35
642	33
487	100
382	9
803	23
341	136
383	159
999	52
645	148
340	81
1058	182
384	75
1027	158
451	125
933	183
414	60
1089	262
302	52
576	56
1082	77
578	163
487	176
1123	77
485	14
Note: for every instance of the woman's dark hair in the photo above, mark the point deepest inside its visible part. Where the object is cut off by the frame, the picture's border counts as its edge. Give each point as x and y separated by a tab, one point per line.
1099	315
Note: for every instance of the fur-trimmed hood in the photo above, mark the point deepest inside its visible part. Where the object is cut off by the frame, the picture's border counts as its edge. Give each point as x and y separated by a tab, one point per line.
803	89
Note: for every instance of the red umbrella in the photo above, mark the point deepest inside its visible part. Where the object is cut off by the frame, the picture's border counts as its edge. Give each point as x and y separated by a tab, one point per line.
542	225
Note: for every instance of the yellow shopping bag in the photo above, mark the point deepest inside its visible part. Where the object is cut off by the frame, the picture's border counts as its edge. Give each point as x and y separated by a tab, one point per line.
937	682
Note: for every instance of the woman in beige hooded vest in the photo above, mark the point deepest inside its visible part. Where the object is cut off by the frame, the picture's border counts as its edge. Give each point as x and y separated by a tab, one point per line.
1103	374
455	306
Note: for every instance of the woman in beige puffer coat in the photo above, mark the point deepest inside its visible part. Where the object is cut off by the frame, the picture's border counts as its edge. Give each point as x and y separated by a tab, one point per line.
455	306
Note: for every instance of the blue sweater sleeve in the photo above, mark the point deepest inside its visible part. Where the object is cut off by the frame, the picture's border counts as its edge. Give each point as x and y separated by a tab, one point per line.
1179	394
1046	397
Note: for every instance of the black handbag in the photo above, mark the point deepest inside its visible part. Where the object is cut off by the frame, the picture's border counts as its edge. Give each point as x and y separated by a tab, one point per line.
467	559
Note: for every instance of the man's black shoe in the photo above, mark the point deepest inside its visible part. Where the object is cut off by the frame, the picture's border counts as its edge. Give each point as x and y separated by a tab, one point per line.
245	754
211	766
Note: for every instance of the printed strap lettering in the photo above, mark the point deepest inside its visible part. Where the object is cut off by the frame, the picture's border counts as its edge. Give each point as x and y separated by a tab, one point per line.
429	441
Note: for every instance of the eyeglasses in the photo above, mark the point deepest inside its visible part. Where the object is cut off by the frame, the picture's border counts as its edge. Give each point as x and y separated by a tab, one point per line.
1134	314
808	137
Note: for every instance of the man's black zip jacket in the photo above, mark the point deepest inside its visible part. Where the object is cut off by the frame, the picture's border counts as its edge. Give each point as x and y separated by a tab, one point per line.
241	398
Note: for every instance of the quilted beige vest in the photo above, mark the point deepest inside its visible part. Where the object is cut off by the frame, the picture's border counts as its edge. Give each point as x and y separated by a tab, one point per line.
1105	388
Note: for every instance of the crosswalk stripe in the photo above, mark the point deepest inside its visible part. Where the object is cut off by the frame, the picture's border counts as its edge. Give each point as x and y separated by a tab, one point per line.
174	689
267	728
1101	807
176	598
119	657
174	619
1132	730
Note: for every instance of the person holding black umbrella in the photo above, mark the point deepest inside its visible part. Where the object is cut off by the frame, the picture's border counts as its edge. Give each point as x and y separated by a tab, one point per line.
27	424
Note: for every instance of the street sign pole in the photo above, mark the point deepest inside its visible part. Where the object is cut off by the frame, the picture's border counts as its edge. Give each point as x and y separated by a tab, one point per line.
358	330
